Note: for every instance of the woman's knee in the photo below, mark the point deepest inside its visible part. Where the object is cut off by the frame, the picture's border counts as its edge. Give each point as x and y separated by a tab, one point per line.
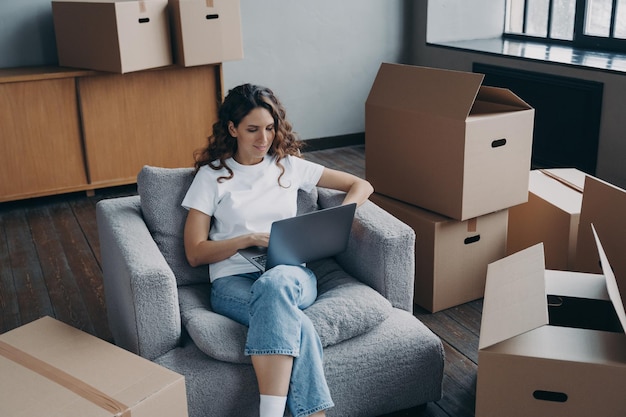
277	279
294	283
274	286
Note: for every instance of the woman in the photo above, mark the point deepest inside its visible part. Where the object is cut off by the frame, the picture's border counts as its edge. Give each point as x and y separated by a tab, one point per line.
247	177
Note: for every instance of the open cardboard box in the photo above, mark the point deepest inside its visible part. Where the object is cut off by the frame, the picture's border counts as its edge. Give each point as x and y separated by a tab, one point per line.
48	368
440	140
451	256
529	366
551	216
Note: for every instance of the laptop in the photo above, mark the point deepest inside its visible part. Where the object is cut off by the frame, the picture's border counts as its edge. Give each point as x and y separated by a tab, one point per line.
304	238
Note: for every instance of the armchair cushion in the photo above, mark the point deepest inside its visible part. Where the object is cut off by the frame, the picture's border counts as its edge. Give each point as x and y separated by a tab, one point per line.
345	308
217	336
162	191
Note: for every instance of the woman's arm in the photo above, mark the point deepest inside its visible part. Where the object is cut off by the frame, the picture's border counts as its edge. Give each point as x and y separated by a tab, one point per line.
357	190
201	251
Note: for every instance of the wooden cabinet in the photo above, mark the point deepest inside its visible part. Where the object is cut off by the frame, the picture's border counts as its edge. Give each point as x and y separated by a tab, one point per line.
40	142
151	117
63	130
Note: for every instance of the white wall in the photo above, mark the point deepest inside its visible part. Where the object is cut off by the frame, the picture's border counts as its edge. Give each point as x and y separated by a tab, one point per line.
319	57
611	164
455	20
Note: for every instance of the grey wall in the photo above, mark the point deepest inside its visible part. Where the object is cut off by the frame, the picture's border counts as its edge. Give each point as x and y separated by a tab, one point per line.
319	57
431	16
26	33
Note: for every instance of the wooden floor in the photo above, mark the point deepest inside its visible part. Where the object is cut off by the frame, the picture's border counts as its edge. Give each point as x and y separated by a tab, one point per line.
50	265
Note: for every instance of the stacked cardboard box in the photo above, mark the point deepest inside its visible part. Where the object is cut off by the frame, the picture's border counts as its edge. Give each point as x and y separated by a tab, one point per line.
130	35
206	31
48	368
448	156
451	255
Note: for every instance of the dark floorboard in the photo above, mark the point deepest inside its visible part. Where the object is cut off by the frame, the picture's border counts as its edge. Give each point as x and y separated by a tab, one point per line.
50	265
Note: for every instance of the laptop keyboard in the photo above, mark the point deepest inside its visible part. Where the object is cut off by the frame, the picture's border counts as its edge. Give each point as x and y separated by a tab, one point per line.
261	259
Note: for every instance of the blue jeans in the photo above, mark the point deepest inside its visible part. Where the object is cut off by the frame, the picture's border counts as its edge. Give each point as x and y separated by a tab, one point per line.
271	305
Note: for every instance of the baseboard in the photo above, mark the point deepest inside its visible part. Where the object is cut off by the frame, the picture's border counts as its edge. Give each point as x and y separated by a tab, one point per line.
333	142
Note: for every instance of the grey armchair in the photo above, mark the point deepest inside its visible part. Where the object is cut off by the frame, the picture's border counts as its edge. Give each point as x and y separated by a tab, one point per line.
378	357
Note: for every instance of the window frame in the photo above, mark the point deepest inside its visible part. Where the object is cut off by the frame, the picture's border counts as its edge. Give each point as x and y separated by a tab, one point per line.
580	40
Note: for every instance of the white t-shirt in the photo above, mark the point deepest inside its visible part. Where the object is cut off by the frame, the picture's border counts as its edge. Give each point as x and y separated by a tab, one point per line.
249	202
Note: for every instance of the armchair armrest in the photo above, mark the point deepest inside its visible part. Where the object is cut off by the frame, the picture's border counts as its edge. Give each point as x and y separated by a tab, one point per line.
139	286
381	251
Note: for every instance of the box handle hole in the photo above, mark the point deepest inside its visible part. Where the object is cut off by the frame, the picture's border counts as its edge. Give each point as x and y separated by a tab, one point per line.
144	20
212	16
471	239
498	142
557	397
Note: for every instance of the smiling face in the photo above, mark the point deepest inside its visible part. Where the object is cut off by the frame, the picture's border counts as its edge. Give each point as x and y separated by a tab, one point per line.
254	134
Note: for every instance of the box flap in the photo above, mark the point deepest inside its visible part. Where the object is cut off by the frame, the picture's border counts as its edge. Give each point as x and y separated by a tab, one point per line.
444	93
555	192
576	285
611	283
501	96
515	296
604	205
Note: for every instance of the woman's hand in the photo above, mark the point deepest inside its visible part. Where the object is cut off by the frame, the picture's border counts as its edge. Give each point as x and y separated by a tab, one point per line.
259	239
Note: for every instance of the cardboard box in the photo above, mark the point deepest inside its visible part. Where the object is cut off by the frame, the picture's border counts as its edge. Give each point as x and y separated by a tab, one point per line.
451	256
551	216
112	35
439	140
527	366
604	206
206	31
48	368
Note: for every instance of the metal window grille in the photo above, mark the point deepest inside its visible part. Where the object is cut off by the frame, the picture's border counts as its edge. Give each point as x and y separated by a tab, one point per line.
589	24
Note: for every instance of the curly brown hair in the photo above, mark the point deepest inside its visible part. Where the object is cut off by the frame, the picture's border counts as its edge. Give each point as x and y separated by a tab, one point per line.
239	102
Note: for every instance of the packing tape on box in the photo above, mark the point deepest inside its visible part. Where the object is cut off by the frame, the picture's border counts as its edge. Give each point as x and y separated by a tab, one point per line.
472	224
64	379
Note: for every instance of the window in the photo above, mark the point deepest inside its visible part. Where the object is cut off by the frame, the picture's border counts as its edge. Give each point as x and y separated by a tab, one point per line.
588	24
